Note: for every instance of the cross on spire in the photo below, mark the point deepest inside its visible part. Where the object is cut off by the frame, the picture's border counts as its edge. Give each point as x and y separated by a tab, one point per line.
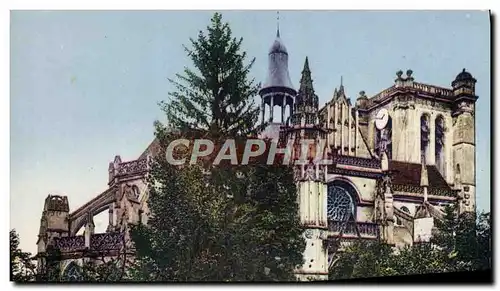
277	24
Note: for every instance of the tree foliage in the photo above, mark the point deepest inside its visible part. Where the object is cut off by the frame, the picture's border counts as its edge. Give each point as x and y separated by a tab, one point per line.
217	223
217	95
22	267
461	243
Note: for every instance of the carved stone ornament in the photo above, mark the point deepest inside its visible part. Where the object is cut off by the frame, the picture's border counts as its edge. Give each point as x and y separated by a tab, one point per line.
308	233
404	102
465	107
323	234
310	173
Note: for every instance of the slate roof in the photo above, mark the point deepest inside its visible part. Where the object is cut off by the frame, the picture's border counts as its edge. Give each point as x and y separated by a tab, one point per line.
409	174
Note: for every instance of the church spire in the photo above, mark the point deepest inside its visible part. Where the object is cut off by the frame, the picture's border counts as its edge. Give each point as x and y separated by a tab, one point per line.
277	89
306	86
306	102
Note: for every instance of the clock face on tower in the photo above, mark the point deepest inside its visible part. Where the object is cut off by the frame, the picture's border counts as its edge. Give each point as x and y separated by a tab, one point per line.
381	118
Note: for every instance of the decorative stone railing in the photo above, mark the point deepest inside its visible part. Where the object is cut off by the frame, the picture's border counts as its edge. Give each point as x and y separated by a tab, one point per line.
381	95
420	190
98	242
106	241
71	243
433	89
132	167
353	229
356	161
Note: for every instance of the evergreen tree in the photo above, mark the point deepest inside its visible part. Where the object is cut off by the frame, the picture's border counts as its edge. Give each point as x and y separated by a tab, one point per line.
217	223
465	238
22	267
218	95
171	247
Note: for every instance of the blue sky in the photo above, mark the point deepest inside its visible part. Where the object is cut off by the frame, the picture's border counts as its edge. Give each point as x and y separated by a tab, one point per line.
85	85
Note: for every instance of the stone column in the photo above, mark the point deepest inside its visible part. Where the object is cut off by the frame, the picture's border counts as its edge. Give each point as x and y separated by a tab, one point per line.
263	110
272	109
282	113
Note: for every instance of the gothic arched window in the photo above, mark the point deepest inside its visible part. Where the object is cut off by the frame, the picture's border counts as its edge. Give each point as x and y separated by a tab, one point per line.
388	137
72	272
377	137
439	144
424	136
383	137
341	204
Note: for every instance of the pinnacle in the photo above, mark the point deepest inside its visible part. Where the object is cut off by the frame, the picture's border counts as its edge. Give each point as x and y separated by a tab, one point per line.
306	66
306	80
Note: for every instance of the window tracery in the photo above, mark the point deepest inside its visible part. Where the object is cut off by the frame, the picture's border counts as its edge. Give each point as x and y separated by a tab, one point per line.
341	205
73	272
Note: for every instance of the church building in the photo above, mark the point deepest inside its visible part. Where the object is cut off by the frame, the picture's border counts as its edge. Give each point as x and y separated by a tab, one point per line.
397	158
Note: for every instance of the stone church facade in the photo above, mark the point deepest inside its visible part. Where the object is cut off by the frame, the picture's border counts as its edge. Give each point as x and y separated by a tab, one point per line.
397	158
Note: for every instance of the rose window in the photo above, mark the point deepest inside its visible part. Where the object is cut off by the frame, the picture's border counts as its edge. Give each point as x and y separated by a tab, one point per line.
340	205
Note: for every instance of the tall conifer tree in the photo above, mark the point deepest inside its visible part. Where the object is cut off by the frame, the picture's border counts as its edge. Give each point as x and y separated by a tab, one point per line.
219	223
216	95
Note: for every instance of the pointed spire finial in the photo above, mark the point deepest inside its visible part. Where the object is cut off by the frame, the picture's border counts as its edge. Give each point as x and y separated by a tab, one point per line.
306	64
277	24
341	88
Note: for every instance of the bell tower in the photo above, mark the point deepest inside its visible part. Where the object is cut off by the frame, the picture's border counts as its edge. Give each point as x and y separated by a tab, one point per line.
464	140
278	89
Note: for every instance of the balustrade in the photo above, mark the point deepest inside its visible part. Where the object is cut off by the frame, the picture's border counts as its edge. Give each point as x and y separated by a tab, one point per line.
132	167
351	228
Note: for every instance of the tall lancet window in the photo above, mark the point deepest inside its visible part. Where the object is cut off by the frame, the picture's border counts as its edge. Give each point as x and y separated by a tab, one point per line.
388	138
377	138
424	137
383	139
439	144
